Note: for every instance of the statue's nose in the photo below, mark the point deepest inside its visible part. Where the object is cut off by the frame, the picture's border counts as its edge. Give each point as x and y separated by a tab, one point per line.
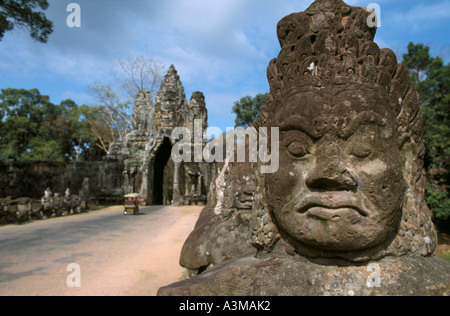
330	173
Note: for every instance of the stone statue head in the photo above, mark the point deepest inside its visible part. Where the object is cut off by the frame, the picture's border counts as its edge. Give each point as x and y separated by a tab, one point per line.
48	193
350	181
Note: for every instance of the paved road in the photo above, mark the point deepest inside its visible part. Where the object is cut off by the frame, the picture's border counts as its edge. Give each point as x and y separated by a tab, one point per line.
116	254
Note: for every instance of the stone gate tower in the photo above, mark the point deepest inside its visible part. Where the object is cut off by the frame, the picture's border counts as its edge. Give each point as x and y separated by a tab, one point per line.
146	151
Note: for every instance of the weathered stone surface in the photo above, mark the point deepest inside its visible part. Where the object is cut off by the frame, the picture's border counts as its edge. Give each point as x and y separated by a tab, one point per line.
31	179
350	181
349	190
223	228
21	210
284	275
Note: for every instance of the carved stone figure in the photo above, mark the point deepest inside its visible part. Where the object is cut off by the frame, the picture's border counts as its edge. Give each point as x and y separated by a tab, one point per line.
223	228
351	154
84	197
141	110
341	190
350	188
15	210
47	203
48	193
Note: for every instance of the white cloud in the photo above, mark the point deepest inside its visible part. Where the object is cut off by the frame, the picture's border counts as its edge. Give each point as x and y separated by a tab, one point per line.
420	17
219	107
220	47
208	45
205	38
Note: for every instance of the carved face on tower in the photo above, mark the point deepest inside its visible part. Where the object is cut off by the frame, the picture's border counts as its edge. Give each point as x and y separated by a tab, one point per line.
340	183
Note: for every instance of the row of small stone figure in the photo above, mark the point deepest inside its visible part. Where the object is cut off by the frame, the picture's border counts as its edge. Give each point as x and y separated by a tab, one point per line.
25	209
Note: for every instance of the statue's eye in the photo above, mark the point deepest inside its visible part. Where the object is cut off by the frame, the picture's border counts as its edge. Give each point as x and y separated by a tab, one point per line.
297	149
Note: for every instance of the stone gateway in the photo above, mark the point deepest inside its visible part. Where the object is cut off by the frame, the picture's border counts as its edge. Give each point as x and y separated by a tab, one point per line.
146	152
345	213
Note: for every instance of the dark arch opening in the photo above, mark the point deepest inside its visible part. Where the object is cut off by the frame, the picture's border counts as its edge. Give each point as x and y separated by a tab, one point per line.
162	157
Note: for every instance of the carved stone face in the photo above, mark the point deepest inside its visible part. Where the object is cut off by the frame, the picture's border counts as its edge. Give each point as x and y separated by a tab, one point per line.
340	183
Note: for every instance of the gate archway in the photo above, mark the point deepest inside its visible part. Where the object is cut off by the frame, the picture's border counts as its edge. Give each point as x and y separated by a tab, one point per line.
163	174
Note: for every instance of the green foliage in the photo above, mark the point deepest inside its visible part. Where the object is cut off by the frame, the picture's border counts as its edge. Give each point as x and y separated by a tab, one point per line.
418	60
437	142
432	79
43	150
247	109
444	255
34	129
438	200
24	13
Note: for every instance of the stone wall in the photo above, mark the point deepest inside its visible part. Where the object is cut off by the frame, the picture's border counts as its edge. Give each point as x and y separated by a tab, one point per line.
30	179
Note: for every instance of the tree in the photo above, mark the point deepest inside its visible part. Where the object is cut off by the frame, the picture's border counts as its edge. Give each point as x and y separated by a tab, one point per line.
99	127
114	100
418	60
113	120
247	109
34	129
140	74
25	14
432	79
24	111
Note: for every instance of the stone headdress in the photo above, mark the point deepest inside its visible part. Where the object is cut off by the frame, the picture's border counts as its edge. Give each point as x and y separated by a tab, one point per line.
331	43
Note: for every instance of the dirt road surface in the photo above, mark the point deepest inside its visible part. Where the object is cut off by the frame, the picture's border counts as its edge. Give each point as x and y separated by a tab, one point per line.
116	254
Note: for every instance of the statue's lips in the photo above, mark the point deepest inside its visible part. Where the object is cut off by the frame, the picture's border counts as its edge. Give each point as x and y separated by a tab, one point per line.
327	214
331	205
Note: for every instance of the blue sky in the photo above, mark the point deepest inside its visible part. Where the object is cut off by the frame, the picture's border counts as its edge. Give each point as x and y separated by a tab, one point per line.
219	47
